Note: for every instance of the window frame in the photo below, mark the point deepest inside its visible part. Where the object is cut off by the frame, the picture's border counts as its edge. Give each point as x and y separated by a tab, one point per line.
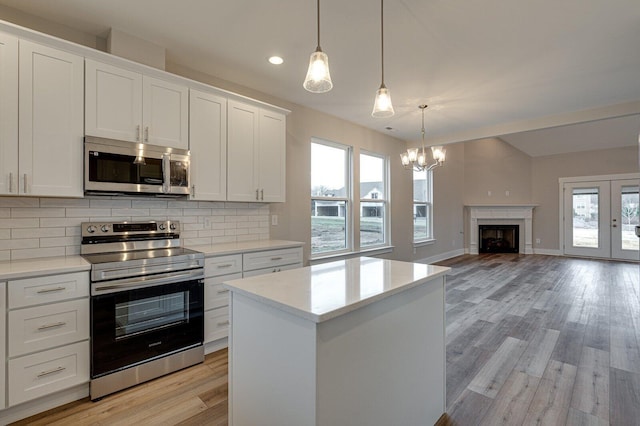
384	201
347	199
428	205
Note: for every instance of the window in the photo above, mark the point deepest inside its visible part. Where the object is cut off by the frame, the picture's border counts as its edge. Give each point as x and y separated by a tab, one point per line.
373	200
422	206
330	195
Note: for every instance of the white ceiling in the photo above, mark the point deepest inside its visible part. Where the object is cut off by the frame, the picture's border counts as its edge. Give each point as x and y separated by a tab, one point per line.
486	68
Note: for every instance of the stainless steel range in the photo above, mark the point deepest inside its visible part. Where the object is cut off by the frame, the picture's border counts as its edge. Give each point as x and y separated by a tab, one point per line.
147	300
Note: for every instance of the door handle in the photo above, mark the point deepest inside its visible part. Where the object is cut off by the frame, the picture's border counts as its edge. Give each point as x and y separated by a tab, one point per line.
637	231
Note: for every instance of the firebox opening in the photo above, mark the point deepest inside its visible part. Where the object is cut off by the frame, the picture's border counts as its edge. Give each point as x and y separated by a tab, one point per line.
499	238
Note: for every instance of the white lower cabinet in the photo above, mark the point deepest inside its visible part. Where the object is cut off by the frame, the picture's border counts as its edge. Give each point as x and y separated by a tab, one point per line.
45	372
47	335
3	339
219	269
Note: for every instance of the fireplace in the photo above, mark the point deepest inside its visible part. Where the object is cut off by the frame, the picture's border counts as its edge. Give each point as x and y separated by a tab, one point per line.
499	238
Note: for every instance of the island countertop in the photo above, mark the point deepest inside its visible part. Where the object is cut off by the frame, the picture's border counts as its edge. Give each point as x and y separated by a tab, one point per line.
325	291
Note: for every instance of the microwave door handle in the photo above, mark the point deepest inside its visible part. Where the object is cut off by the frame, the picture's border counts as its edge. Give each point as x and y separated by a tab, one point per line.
166	173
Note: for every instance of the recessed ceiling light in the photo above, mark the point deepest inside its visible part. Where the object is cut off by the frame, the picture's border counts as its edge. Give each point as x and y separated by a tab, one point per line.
276	60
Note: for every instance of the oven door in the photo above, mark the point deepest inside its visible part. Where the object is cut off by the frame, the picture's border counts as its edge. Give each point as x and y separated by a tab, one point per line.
137	325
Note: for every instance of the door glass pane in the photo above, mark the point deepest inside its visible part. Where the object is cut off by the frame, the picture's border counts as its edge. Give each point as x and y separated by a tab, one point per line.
585	217
630	203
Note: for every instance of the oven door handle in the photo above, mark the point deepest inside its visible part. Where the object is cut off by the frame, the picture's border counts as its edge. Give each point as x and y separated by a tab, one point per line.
145	281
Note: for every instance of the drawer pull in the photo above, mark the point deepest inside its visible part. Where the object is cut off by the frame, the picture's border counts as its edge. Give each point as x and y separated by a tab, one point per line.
276	258
223	291
225	265
55	324
52	371
223	323
51	290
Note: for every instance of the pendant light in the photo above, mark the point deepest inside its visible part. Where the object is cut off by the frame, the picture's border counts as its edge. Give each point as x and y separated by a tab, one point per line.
318	79
416	159
382	106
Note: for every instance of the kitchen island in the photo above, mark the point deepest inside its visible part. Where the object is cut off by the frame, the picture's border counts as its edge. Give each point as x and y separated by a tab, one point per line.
358	342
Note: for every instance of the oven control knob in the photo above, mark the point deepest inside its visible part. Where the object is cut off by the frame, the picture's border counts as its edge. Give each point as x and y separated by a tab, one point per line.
162	227
105	228
91	229
172	226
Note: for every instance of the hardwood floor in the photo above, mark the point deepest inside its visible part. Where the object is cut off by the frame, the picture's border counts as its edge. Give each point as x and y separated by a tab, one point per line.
530	340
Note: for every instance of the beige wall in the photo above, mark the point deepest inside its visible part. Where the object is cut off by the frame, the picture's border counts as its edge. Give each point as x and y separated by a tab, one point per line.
547	170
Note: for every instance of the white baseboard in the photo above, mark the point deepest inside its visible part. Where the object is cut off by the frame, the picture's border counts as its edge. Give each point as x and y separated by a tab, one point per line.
548	252
442	256
216	345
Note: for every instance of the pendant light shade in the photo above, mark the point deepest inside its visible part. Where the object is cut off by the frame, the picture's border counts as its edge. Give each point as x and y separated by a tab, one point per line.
382	106
318	78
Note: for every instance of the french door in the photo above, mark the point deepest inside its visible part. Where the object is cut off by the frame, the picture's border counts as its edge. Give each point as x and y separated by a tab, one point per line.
600	218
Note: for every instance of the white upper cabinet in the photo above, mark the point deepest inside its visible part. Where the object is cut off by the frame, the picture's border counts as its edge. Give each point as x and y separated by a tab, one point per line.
272	156
208	145
50	123
113	102
255	154
8	114
125	105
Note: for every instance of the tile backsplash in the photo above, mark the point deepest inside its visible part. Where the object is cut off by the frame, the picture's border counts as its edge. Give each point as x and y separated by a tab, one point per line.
45	227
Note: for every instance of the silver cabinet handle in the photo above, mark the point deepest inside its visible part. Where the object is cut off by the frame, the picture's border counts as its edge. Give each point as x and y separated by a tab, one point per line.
146	134
224	323
50	290
225	265
276	258
257	190
54	370
223	291
25	183
54	325
138	133
11	182
262	194
193	190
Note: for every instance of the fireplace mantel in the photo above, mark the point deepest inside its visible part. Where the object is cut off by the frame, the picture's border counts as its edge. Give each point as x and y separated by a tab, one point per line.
522	212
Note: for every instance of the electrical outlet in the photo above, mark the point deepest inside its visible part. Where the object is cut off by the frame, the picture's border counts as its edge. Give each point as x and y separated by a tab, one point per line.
489	193
507	193
537	240
274	220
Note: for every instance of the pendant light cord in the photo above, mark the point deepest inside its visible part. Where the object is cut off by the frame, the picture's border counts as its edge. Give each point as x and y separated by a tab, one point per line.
318	17
382	36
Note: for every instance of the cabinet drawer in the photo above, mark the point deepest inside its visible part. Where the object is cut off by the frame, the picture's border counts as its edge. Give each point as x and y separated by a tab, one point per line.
270	270
42	373
44	327
215	296
54	288
271	258
3	340
222	265
216	324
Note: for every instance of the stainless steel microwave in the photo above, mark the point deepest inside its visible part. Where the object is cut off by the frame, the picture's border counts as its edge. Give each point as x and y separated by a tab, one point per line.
121	167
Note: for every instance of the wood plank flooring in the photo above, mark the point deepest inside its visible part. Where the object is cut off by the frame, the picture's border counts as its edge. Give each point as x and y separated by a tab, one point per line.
530	340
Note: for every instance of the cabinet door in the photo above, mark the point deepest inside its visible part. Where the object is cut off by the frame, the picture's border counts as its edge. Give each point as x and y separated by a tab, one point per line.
242	152
272	156
8	114
51	117
165	113
3	339
113	102
208	145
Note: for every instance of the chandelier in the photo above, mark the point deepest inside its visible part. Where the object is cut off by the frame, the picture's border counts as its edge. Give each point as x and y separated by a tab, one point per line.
416	159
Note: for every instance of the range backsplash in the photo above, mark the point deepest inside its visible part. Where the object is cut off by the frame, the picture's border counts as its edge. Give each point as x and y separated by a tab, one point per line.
46	227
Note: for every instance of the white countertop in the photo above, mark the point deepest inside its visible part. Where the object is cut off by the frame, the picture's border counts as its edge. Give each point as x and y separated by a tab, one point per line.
321	292
16	269
244	247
